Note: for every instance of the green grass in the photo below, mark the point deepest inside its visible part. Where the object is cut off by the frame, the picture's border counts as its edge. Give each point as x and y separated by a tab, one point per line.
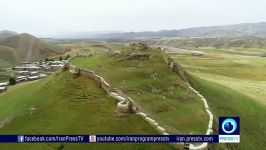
66	105
234	85
4	63
236	66
154	87
225	101
4	76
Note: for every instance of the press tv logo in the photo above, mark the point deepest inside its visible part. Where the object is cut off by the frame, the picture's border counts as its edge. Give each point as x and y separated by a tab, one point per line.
229	130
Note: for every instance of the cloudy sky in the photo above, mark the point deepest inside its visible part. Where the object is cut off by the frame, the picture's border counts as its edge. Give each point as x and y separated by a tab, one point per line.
43	17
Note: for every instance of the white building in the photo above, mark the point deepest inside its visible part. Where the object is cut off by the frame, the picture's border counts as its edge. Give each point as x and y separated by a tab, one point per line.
31	78
2	89
21	79
26	68
4	84
197	53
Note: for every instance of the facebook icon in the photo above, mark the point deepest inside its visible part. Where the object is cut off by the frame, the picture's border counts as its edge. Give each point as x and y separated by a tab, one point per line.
20	138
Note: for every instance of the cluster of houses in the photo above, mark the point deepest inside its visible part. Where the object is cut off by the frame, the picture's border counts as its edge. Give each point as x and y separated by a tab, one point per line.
33	71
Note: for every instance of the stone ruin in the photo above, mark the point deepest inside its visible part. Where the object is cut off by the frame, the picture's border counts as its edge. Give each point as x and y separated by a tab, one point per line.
139	46
127	105
141	56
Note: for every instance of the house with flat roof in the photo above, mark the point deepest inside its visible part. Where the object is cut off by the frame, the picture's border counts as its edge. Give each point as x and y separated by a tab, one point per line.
26	68
31	78
197	53
4	84
2	89
21	79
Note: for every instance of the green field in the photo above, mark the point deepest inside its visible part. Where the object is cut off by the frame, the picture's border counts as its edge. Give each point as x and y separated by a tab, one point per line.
61	104
234	85
160	92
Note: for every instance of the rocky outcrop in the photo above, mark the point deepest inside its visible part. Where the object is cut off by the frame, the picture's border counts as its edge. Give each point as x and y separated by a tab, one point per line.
139	46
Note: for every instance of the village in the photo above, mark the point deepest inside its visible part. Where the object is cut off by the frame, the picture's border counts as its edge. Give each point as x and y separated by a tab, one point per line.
28	71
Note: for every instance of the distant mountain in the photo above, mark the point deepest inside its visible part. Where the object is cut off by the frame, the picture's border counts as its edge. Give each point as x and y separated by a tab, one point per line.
25	47
251	29
79	35
5	34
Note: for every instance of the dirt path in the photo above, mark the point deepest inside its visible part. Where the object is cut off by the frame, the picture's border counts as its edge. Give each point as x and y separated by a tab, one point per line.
30	50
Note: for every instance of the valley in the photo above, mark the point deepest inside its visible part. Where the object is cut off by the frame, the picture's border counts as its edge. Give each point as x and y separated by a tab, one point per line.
144	92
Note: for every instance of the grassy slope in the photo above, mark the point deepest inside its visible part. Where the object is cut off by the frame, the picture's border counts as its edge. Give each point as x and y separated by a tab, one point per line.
245	74
134	77
64	105
225	101
4	63
233	86
7	56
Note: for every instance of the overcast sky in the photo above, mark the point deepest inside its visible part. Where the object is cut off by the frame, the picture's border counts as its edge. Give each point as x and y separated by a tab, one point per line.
41	17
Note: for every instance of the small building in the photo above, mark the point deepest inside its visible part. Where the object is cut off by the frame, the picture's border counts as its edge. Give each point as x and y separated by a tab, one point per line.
4	84
20	73
36	63
55	67
31	78
3	89
34	73
42	75
116	52
197	53
25	63
85	54
21	79
57	63
26	68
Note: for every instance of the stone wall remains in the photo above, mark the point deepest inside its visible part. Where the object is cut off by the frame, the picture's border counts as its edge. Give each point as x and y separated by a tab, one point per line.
127	105
173	65
177	68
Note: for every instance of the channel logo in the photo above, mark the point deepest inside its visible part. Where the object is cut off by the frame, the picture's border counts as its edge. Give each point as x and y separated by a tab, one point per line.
229	130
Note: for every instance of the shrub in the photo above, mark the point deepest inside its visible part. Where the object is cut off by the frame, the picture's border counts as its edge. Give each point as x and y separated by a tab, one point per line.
12	81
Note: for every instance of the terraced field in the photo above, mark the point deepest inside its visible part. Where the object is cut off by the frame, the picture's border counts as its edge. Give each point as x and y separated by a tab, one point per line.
234	85
160	92
61	104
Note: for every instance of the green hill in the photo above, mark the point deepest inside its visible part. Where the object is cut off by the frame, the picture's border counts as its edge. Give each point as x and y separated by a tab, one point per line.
159	91
61	104
25	47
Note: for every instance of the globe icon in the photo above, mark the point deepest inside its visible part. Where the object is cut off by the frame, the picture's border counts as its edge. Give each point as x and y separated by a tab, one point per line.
229	125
